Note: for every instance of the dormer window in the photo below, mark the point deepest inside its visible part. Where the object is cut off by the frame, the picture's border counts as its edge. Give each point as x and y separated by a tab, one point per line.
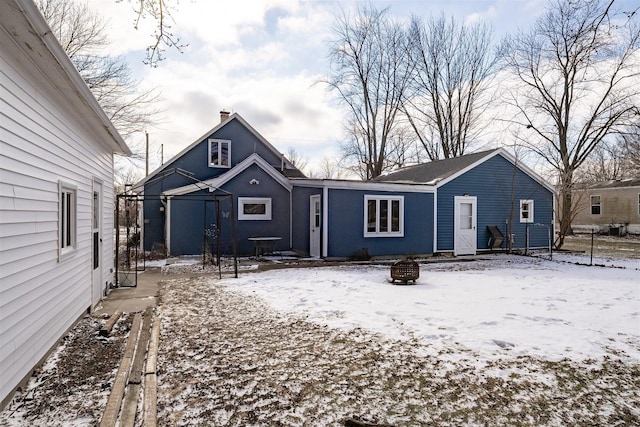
219	153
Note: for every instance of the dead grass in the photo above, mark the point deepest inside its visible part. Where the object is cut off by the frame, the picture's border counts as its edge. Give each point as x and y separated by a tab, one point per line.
604	246
229	360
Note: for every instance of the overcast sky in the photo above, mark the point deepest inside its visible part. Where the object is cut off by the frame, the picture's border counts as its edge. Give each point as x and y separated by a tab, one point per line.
263	60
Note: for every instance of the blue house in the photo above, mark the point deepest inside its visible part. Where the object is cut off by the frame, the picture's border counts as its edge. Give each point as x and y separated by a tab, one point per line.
232	187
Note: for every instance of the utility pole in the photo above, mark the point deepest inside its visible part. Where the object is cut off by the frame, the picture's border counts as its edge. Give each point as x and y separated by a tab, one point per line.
147	155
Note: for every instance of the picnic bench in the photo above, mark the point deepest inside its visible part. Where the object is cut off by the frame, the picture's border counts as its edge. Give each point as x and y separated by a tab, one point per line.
264	245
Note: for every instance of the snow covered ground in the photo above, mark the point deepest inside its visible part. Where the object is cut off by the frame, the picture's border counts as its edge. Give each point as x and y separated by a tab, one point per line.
506	306
503	340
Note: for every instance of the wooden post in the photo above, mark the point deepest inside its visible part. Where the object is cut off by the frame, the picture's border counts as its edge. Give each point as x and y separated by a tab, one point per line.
147	155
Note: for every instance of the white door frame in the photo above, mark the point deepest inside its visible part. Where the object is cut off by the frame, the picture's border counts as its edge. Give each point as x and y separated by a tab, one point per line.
97	291
315	222
465	240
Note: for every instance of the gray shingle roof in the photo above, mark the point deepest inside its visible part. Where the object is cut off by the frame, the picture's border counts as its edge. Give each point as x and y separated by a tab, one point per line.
618	183
435	171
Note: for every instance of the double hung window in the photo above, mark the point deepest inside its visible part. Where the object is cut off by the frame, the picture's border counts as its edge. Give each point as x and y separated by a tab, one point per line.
596	206
67	225
526	210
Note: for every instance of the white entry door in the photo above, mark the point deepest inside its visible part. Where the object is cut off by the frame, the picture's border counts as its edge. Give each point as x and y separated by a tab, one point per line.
97	291
465	235
314	226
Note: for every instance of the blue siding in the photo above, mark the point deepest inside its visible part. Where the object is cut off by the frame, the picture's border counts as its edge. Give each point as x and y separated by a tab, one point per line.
278	226
191	215
243	144
188	219
499	187
346	225
301	217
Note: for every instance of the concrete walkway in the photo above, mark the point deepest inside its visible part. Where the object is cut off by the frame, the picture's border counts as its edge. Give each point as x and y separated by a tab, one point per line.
133	299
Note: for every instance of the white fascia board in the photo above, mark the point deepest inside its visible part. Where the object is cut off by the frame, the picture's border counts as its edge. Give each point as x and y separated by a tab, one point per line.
526	169
362	185
500	152
215	183
115	141
234	116
467	169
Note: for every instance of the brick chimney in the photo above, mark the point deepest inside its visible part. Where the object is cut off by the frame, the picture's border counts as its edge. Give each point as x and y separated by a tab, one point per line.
224	116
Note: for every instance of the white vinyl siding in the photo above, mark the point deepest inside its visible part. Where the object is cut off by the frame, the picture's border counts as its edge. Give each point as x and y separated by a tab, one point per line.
44	141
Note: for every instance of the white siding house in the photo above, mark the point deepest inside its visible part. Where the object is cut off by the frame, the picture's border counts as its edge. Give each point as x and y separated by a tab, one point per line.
56	193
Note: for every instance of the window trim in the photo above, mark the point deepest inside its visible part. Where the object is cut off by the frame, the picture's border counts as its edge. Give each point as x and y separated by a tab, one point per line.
530	210
592	205
254	217
67	243
220	143
378	233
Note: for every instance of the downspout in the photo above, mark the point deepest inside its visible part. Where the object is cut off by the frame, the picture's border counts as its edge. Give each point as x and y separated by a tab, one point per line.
167	222
325	220
291	218
435	221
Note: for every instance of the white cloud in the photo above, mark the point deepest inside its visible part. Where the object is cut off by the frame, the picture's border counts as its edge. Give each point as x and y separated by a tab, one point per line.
261	60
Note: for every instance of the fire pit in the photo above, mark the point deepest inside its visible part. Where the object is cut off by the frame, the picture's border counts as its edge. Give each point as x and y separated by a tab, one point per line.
405	271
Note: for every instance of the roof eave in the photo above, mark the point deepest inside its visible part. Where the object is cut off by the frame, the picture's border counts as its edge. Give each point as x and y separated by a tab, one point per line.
37	21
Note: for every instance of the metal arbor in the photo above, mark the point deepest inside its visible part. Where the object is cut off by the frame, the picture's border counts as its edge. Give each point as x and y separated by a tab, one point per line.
218	231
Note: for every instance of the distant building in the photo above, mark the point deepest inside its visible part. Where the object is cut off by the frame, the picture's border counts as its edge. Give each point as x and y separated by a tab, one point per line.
611	207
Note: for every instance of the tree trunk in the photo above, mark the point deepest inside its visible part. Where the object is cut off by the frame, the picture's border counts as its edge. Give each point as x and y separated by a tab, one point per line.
566	206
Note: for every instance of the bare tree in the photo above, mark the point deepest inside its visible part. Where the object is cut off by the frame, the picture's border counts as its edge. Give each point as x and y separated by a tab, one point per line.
297	159
83	35
370	75
630	141
578	70
161	12
607	162
329	168
451	84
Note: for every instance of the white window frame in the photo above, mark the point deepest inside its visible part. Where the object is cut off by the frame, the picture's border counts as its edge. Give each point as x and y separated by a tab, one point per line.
592	205
220	143
529	210
254	201
67	220
389	232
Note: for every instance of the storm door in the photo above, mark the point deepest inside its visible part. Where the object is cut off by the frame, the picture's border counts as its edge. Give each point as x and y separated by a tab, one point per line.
465	235
314	226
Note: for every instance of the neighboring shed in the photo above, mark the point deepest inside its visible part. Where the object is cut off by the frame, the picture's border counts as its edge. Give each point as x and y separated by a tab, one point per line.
56	193
611	207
